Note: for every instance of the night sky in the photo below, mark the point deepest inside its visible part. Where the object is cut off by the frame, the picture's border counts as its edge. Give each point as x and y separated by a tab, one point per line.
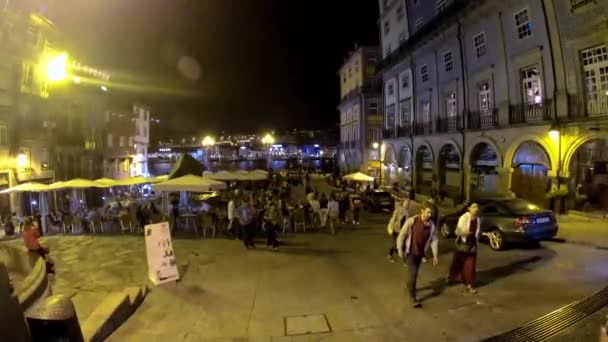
261	66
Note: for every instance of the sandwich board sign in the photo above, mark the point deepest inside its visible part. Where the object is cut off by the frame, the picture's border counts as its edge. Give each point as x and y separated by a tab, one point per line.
162	266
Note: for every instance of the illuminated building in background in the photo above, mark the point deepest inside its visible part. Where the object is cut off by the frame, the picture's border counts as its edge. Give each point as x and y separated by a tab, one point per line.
360	119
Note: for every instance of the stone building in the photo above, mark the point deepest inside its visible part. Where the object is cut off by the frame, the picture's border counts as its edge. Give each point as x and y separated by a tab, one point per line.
360	118
508	97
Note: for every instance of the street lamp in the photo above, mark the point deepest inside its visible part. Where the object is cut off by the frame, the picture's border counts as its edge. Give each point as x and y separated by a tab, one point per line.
21	160
268	140
56	68
207	143
375	145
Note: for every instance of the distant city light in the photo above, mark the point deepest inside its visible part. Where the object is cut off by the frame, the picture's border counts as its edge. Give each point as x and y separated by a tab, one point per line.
316	145
76	79
243	148
104	88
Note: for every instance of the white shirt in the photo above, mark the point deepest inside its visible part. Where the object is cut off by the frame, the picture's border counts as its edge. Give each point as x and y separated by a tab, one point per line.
231	211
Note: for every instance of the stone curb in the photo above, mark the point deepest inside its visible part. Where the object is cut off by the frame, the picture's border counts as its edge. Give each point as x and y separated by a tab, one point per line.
35	285
112	312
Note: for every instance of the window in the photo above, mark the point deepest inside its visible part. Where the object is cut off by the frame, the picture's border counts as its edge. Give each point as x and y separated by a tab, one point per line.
388	50
357	66
426	111
480	44
531	85
121	141
405	80
424	73
400	13
523	24
110	140
447	59
450	106
405	107
390	88
390	117
595	69
145	116
130	142
125	165
485	97
402	37
27	77
350	72
146	131
440	5
387	27
3	135
373	108
419	23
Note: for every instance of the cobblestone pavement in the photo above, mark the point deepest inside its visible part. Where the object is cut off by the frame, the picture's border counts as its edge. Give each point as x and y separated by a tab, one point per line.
229	294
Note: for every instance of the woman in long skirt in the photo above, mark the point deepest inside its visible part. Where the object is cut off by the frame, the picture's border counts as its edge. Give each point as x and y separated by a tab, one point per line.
467	241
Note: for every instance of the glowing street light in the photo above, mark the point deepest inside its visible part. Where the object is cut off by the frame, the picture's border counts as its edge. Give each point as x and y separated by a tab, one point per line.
375	145
21	160
56	68
268	139
208	141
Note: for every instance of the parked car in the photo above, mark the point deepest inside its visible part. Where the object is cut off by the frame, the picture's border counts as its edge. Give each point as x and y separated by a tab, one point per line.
507	220
378	200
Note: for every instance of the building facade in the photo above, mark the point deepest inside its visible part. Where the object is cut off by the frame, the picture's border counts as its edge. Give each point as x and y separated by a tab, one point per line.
141	140
508	97
360	112
397	92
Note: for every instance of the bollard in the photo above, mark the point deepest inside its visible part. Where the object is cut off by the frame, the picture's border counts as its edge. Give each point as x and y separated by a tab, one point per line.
12	323
54	319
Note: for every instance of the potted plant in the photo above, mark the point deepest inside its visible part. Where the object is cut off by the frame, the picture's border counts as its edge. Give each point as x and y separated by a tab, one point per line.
557	194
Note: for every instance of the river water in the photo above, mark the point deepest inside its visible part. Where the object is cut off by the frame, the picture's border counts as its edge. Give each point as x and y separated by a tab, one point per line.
325	165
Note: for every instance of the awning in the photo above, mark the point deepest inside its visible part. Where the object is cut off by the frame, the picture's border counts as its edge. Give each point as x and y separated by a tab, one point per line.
32	186
358	177
189	183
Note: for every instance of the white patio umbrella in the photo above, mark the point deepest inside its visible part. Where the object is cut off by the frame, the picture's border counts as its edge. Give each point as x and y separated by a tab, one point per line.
358	177
190	183
31	186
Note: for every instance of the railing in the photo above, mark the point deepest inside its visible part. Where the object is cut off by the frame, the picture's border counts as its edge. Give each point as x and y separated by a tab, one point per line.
423	128
389	133
448	125
531	112
483	119
590	105
405	130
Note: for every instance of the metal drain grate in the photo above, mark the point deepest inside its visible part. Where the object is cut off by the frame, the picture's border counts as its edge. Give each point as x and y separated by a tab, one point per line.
550	324
306	324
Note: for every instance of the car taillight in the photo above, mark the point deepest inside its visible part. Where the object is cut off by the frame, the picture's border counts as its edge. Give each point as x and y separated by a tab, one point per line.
521	222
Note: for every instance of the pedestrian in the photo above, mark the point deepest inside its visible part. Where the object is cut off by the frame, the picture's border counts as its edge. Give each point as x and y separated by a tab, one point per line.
246	216
31	234
272	220
174	211
323	210
417	235
343	207
356	204
233	221
400	215
333	214
465	257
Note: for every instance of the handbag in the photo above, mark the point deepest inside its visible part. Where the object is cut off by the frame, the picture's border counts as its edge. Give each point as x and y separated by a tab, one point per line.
469	246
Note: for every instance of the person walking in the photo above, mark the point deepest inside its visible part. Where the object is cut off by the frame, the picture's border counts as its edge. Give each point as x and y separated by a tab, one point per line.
417	235
323	210
30	235
246	218
356	204
333	208
233	220
467	232
272	220
400	215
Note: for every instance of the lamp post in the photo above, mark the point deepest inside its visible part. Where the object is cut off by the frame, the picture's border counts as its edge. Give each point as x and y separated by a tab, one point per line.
268	140
207	143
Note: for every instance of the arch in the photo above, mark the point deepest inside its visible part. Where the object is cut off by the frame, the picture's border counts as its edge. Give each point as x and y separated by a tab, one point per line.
405	157
490	142
577	143
456	148
424	169
483	154
508	157
390	157
531	152
424	154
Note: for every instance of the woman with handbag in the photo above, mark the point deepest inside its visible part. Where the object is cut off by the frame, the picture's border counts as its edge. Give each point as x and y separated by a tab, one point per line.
467	240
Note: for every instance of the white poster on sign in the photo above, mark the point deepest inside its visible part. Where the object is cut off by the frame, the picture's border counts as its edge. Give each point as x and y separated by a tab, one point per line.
162	265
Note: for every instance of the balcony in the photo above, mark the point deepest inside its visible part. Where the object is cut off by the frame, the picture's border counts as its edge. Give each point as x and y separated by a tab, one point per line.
449	125
531	112
389	133
405	130
483	119
590	105
423	128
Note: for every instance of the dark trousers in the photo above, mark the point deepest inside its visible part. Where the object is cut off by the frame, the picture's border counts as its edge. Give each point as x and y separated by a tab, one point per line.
393	249
271	234
413	263
247	232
